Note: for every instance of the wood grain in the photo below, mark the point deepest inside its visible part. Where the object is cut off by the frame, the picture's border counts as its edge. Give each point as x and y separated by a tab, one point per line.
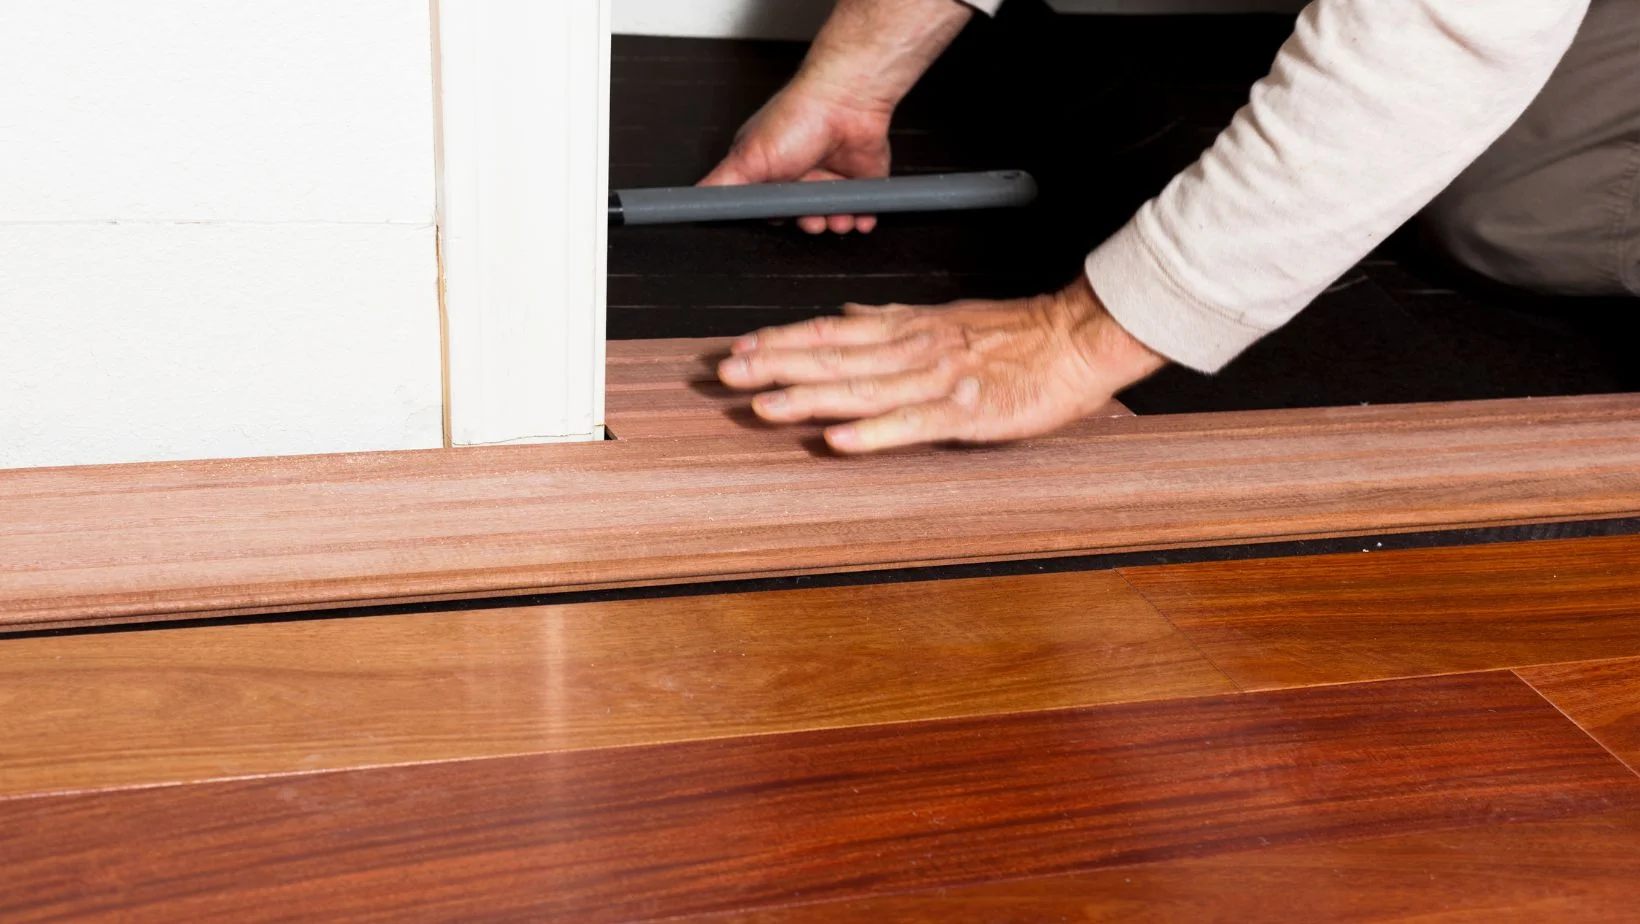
1602	697
1327	619
145	708
668	389
698	827
141	542
1578	869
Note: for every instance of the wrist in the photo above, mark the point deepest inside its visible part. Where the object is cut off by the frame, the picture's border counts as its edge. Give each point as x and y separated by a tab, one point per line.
870	53
1117	357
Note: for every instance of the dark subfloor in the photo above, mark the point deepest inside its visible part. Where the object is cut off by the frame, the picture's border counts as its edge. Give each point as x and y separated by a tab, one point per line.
1103	110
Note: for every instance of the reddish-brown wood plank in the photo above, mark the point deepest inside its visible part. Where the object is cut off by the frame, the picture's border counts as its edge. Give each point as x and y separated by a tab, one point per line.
112	543
144	708
721	825
1327	619
668	389
1577	869
1602	697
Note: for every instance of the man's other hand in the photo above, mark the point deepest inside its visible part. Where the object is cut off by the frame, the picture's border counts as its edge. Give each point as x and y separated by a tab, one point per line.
970	372
812	131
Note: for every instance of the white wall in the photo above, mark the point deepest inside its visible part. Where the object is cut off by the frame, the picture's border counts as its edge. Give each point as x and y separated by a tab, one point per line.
797	19
216	229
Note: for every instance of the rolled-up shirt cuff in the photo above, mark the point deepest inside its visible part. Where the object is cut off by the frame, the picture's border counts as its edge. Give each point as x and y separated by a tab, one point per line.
988	7
1144	297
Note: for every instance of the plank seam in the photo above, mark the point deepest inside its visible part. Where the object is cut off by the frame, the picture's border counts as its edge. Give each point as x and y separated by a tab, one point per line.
1121	573
1573	719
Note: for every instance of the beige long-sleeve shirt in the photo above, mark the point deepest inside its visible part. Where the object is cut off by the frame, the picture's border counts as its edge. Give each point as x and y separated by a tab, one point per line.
1371	109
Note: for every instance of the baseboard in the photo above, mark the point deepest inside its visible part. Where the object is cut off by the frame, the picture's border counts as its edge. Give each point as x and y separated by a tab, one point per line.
798	19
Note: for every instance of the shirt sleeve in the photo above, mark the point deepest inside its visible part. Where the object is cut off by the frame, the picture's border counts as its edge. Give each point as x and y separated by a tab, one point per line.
988	7
1371	109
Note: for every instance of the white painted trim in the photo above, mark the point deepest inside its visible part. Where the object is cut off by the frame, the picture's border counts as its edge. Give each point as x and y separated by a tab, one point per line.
798	19
523	198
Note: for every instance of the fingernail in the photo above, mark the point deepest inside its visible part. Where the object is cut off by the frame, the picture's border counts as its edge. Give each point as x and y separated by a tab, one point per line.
967	392
748	342
735	368
843	437
773	401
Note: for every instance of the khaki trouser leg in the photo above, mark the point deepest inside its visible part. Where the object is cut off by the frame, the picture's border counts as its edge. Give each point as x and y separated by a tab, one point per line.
1554	205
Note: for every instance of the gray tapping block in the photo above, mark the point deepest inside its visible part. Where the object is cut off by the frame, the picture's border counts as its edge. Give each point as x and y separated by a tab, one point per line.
936	193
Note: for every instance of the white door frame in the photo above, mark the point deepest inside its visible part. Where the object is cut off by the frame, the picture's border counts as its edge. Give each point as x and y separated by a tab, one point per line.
523	100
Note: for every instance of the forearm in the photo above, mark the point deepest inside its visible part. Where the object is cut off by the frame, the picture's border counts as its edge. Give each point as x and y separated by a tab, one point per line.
1372	108
874	51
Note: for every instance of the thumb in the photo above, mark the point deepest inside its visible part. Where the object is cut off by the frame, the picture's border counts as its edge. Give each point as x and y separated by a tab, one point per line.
728	173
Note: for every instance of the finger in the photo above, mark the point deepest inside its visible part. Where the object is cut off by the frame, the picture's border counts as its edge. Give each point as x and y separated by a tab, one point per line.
865	224
855	398
817	224
727	173
927	422
840	224
821	175
822	364
855	310
828	330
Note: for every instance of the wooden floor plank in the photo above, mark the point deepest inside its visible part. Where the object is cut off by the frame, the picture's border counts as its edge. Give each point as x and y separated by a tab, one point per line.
722	825
1568	870
144	708
668	389
1329	619
160	541
1602	697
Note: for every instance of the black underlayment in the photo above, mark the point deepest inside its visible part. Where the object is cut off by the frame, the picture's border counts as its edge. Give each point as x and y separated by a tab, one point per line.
1103	110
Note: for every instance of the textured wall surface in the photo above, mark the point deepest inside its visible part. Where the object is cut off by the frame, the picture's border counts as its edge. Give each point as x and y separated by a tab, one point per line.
216	229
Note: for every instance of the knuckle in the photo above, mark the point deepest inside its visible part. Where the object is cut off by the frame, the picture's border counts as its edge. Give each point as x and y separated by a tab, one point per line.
915	343
912	418
863	388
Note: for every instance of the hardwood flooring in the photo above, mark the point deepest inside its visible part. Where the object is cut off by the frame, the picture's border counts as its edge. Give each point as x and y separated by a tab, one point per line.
1574	869
1336	618
1603	697
99	711
1003	748
625	833
102	544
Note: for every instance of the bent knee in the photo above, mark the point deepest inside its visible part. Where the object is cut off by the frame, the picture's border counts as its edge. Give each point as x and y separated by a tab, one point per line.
1528	240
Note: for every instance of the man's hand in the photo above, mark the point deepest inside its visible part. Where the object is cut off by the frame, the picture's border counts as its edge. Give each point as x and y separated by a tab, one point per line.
831	121
971	372
811	131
